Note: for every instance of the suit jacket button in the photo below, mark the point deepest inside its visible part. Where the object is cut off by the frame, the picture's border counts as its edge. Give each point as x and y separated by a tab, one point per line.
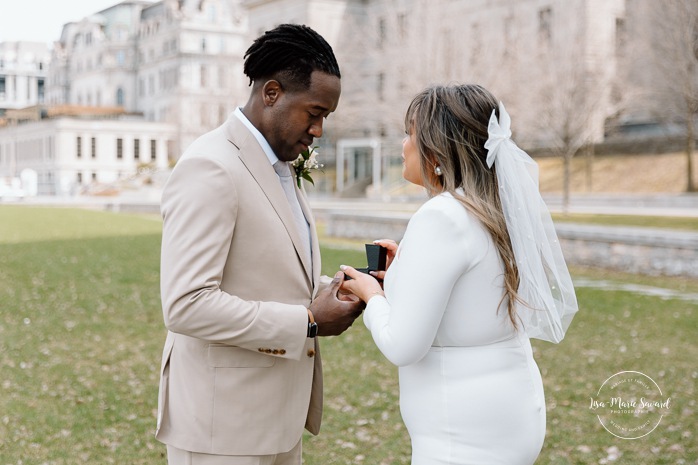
260	349
268	351
275	351
282	351
311	352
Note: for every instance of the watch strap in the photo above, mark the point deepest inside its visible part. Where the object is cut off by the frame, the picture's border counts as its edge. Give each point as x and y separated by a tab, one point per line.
312	326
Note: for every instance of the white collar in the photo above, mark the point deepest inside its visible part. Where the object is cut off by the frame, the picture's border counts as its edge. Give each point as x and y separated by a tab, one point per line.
257	135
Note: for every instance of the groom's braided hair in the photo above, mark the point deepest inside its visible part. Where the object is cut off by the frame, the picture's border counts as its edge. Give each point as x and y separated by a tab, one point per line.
290	52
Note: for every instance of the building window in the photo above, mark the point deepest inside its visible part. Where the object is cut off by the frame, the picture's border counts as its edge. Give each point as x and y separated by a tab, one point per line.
203	75
79	178
93	149
2	87
203	44
381	31
78	147
620	36
119	148
402	25
136	149
203	114
381	85
222	81
94	177
447	52
545	24
153	149
508	35
120	97
476	46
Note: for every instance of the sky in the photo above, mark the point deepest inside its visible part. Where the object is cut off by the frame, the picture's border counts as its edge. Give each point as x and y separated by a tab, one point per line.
43	20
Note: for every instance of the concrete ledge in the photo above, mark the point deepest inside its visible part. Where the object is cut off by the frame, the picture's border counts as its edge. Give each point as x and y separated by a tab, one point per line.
654	237
367	226
133	207
649	251
646	251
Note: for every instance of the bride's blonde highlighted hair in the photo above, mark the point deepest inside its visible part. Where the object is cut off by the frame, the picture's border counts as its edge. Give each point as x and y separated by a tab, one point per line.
450	126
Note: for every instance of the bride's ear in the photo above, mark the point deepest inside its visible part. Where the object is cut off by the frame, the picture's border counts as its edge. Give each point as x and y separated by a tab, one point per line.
434	170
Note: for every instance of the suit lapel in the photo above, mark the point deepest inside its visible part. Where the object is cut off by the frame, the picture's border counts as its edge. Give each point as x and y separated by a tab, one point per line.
257	163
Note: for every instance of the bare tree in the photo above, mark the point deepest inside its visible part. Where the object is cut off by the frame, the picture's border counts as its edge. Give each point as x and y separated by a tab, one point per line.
569	97
569	103
674	54
574	81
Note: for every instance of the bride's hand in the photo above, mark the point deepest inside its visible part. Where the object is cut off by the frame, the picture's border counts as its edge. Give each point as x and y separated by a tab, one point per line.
361	285
391	245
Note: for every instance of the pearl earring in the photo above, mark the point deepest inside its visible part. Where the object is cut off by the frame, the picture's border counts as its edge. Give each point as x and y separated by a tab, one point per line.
438	171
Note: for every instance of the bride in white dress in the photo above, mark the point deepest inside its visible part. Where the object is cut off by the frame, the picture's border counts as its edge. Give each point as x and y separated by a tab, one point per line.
477	273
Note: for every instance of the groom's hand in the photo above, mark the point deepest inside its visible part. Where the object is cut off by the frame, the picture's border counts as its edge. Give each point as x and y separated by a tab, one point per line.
335	312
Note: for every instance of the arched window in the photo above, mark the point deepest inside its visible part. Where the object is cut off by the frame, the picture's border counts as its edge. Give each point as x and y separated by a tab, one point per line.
120	97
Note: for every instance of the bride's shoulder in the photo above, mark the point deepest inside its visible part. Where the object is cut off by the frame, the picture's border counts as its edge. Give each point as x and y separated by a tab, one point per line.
445	207
444	201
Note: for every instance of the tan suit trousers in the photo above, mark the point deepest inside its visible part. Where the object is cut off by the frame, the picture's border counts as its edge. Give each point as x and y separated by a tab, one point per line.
182	457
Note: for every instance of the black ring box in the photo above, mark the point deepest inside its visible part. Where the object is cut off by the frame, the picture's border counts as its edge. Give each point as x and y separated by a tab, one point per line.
376	256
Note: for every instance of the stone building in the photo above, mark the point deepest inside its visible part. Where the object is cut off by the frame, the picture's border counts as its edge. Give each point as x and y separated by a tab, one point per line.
189	56
553	63
23	67
571	72
76	149
178	62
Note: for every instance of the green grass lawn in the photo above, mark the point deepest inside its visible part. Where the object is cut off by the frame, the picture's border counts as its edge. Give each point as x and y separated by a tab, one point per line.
668	222
81	336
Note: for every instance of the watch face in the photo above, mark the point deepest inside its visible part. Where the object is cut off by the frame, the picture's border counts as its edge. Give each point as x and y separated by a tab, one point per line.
312	329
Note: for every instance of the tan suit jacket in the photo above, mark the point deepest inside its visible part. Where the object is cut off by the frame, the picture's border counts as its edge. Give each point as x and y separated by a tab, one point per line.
238	376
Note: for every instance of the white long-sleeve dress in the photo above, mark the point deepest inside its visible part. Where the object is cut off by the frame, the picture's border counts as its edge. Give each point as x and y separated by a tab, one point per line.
470	390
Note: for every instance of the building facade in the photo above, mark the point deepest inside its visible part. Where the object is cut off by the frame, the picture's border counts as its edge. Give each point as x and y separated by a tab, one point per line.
69	155
178	62
190	64
23	68
552	62
570	72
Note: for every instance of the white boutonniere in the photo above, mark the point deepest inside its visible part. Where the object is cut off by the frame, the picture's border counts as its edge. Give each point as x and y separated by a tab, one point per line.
306	161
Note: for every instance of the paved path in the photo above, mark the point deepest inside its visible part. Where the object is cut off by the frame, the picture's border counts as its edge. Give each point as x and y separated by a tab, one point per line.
658	205
637	289
680	205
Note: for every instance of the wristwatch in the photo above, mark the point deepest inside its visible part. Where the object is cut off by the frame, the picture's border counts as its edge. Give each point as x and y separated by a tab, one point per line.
312	326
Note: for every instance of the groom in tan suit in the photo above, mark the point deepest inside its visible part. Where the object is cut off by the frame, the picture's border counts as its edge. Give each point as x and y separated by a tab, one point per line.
240	273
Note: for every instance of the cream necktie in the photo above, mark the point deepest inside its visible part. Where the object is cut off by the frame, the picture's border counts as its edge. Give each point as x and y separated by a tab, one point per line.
284	172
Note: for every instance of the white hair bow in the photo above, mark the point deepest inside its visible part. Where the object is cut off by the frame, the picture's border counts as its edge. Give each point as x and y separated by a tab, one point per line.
498	131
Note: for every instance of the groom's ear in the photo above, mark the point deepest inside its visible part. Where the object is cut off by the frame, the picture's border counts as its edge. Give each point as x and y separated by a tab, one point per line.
271	91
